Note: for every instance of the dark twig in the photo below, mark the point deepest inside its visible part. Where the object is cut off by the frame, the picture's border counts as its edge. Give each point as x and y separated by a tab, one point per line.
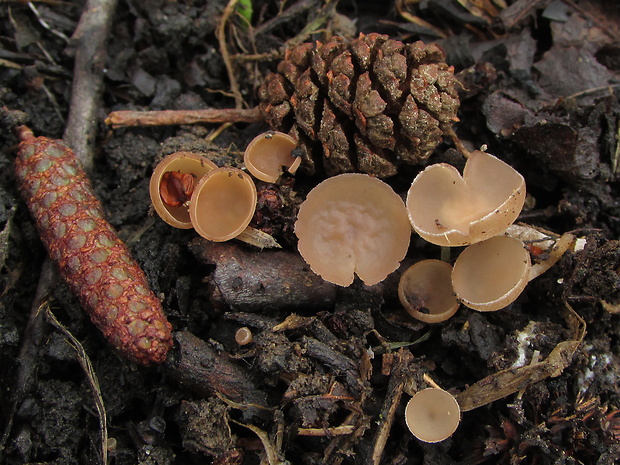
391	403
28	358
90	36
296	9
513	15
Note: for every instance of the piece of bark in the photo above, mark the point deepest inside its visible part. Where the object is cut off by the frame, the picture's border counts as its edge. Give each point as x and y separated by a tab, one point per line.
193	363
338	362
259	280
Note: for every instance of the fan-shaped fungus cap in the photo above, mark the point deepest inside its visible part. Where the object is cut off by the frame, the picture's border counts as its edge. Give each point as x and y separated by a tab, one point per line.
223	204
491	274
432	415
425	290
353	223
170	186
448	209
268	153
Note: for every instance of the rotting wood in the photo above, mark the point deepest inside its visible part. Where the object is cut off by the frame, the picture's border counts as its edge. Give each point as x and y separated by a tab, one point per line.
256	280
338	362
205	371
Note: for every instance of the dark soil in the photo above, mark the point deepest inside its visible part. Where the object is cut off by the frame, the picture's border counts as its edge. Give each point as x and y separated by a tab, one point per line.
540	88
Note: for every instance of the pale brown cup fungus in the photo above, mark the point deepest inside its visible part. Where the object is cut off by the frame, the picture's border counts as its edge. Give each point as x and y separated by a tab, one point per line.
448	209
244	336
490	275
353	224
270	152
425	290
223	204
172	184
432	415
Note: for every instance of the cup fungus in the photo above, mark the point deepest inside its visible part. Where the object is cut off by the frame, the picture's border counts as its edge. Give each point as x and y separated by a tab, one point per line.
222	204
172	184
432	415
425	290
268	153
448	209
353	224
490	275
244	336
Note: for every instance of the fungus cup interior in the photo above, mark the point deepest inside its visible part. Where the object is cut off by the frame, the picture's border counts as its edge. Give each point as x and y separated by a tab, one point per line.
427	285
244	336
268	153
353	224
223	204
448	209
490	275
178	162
432	415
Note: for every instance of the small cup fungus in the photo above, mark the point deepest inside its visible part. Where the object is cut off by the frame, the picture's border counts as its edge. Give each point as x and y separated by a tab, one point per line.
353	224
268	153
490	275
172	184
244	336
448	209
425	290
222	204
432	415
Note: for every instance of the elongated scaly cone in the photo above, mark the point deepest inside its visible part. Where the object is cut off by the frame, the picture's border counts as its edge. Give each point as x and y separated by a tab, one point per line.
94	262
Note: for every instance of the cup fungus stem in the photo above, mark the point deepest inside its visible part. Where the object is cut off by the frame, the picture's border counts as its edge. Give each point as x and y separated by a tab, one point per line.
456	141
430	381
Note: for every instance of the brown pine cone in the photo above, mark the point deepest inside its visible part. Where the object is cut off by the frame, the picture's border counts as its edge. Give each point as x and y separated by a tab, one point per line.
366	105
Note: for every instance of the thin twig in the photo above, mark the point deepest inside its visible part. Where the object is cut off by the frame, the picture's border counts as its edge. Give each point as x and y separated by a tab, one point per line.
44	23
329	432
31	343
90	36
293	11
221	37
119	119
91	376
391	403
